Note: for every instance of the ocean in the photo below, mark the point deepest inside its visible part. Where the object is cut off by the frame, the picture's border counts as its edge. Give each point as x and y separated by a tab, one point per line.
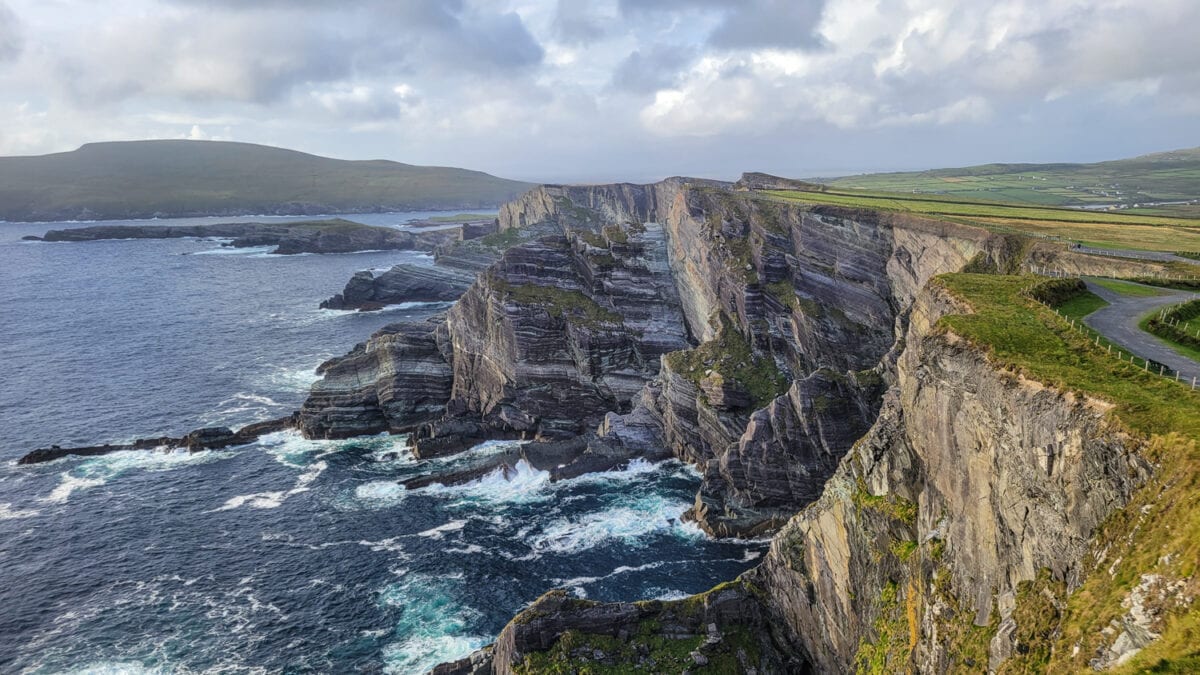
287	555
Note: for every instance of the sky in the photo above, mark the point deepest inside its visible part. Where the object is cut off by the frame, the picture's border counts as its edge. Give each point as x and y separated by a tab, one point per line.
602	90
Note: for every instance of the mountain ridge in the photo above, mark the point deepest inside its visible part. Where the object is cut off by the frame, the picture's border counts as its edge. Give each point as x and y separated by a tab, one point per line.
173	178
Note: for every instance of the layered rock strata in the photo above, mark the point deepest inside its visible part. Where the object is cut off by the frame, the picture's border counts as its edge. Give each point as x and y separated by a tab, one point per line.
401	283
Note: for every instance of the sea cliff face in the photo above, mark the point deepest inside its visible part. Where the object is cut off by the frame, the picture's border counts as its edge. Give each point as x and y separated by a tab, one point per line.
795	355
971	482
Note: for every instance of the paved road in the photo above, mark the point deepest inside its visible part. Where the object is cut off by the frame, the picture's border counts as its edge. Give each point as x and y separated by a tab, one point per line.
1119	323
1158	256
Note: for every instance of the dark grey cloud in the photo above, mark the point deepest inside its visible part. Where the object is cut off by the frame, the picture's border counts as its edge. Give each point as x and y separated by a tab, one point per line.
787	24
746	24
11	38
575	22
647	71
263	52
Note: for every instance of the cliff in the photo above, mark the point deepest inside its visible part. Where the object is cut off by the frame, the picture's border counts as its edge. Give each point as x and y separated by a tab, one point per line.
808	359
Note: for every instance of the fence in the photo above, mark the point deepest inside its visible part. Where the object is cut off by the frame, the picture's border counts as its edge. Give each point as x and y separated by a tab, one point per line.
1115	349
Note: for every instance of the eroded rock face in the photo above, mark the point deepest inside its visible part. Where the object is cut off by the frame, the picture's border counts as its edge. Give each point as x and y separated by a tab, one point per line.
970	482
722	631
598	283
395	381
402	283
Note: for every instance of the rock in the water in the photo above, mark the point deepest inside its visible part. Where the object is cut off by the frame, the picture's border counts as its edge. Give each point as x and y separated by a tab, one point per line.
324	236
402	283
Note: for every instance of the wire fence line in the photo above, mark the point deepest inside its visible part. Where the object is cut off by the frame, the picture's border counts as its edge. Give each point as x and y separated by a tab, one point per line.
1114	349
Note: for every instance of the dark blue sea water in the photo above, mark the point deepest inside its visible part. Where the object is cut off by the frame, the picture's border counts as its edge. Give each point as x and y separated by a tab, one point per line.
287	555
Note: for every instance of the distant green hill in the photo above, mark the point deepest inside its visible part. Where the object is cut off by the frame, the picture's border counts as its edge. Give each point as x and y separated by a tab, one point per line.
144	179
1161	177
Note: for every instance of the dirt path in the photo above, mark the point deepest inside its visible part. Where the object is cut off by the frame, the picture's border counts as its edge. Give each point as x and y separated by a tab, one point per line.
1119	322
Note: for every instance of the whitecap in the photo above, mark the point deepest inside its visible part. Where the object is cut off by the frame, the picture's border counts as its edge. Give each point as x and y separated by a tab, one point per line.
113	668
275	499
97	471
432	628
7	512
440	531
668	594
380	494
469	549
629	524
516	484
230	250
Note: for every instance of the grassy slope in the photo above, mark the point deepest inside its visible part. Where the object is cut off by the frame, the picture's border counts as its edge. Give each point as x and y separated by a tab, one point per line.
1159	531
1115	230
173	177
1167	176
1081	305
1124	288
1184	338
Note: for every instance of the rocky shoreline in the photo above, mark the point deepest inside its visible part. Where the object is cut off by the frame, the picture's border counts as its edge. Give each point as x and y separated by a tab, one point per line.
324	236
207	438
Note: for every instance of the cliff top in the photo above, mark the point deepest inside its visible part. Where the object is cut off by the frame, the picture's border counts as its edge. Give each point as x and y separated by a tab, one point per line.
1157	535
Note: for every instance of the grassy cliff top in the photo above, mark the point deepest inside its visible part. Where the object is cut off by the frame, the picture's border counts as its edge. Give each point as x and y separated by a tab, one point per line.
1158	532
144	178
1164	176
1121	229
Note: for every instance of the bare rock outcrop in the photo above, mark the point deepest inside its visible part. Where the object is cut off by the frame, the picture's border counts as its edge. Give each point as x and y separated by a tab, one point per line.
401	283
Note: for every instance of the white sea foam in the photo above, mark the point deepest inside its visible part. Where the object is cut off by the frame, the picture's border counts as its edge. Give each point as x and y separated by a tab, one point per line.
113	668
380	494
7	512
666	594
294	379
628	524
275	499
469	549
441	530
97	471
230	250
517	484
432	628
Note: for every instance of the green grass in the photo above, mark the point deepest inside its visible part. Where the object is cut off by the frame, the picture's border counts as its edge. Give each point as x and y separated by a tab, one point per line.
146	178
1183	338
730	356
1173	176
1106	230
1126	288
502	240
1159	530
572	306
1081	305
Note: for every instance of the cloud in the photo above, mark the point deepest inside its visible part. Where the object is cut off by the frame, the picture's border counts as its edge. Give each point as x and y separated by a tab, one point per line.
576	22
11	38
644	85
786	24
658	67
746	24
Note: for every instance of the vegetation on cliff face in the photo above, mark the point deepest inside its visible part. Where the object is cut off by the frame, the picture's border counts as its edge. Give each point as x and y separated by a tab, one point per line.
570	305
731	357
1147	554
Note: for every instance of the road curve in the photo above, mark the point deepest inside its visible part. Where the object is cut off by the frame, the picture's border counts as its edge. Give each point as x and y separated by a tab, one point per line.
1119	322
